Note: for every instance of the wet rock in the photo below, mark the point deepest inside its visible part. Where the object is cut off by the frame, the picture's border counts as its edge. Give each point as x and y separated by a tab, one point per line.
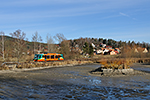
111	72
127	71
68	96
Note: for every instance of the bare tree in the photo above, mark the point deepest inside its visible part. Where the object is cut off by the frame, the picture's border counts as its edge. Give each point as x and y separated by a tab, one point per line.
40	40
60	37
65	45
2	45
65	48
35	40
18	43
50	44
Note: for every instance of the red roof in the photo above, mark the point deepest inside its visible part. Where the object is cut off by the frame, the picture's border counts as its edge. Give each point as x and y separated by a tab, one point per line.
116	52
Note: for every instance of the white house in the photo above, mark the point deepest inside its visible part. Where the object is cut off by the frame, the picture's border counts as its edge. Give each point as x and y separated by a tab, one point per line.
93	45
100	52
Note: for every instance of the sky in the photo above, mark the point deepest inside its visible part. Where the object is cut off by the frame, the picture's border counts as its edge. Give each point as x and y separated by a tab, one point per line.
125	20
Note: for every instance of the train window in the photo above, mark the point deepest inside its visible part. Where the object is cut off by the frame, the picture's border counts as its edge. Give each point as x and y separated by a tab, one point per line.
48	57
52	56
56	56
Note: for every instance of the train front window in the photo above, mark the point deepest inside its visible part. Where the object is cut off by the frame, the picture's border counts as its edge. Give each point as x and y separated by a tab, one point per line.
36	56
40	56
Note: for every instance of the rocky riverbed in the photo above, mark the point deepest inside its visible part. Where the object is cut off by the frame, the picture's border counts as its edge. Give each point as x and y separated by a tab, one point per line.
72	82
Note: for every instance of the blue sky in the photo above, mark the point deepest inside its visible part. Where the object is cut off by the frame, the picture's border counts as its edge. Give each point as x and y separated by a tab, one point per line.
111	19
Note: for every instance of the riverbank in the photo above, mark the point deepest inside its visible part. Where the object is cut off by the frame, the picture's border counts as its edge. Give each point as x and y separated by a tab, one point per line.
117	72
29	66
135	69
41	65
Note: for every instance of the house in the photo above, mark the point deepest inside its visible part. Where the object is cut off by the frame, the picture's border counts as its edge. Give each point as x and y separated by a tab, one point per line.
116	52
99	52
142	50
112	52
93	45
94	49
117	49
106	50
102	45
145	50
109	47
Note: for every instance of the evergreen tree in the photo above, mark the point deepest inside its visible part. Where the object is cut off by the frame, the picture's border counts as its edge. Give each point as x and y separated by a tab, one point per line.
110	42
86	47
104	41
90	49
100	40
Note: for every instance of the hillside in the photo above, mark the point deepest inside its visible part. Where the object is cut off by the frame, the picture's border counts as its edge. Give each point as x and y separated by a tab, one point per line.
75	43
9	47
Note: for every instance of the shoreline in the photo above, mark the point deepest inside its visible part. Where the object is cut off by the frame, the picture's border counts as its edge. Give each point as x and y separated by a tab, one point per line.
119	74
97	72
134	70
45	67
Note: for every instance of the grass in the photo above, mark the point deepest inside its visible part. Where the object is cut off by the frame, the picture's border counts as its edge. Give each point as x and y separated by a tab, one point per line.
116	64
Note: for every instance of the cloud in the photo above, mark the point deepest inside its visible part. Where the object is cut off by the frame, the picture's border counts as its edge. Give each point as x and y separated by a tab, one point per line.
64	8
134	18
123	14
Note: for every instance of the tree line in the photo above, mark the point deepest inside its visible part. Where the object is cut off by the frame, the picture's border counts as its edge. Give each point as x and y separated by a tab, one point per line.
111	42
17	45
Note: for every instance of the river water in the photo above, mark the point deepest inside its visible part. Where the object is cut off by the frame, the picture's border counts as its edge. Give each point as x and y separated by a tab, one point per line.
72	83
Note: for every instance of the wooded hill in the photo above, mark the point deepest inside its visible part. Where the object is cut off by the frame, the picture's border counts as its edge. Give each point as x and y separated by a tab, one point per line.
73	43
65	45
8	41
109	42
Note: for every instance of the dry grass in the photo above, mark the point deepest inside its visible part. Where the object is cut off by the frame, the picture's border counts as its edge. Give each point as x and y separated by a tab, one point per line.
32	64
116	64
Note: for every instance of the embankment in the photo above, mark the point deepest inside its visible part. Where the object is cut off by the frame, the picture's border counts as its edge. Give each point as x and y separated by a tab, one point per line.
40	65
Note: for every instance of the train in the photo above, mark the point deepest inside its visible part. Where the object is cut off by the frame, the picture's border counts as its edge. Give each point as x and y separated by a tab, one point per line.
44	57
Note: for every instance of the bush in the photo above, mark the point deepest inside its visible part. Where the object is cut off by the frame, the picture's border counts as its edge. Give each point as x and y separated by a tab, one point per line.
116	64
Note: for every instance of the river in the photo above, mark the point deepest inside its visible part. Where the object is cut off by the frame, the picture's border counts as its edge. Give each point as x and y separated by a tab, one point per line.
72	83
